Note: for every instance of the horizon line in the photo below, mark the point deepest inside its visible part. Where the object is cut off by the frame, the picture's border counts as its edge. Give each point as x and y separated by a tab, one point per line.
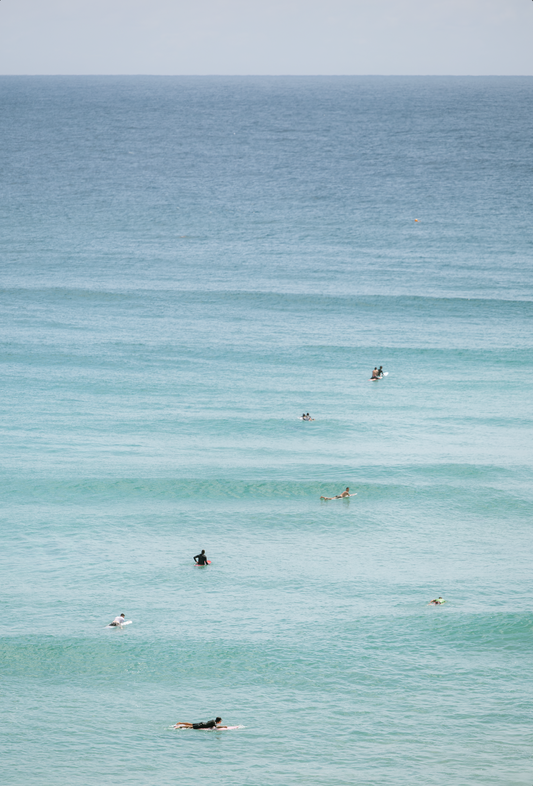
281	76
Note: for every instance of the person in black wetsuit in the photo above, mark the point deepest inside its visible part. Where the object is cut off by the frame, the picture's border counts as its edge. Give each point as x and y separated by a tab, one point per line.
201	559
212	724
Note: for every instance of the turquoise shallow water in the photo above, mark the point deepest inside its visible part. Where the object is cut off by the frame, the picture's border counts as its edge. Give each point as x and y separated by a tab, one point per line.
187	266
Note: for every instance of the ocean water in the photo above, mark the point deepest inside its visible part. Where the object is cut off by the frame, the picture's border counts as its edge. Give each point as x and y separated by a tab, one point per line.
187	265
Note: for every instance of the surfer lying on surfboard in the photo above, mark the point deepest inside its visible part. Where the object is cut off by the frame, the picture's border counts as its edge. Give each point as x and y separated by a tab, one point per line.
212	724
341	496
437	601
118	621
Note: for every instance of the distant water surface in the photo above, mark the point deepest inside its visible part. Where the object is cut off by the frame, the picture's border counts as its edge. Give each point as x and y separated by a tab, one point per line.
187	265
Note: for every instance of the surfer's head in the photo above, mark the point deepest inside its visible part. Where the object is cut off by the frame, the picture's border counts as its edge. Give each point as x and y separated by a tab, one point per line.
218	720
122	615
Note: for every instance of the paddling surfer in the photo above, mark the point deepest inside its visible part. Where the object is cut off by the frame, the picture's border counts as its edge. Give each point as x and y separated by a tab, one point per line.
340	496
117	622
211	724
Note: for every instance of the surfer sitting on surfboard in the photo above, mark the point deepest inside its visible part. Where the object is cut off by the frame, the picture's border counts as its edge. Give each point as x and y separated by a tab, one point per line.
378	373
201	559
212	724
340	496
117	622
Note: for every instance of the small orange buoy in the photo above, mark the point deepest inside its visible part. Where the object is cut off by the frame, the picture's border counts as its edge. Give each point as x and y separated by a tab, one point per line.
416	219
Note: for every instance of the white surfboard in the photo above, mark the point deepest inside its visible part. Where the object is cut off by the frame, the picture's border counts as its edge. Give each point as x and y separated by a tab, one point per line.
126	622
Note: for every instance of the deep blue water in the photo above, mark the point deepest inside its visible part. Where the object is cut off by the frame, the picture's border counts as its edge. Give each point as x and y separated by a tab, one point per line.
187	265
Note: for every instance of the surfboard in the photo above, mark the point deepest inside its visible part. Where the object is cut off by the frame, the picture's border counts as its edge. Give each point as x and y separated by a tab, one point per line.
196	565
376	379
126	622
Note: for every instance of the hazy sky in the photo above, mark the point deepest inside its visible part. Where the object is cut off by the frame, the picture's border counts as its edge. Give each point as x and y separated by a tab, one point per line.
266	37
